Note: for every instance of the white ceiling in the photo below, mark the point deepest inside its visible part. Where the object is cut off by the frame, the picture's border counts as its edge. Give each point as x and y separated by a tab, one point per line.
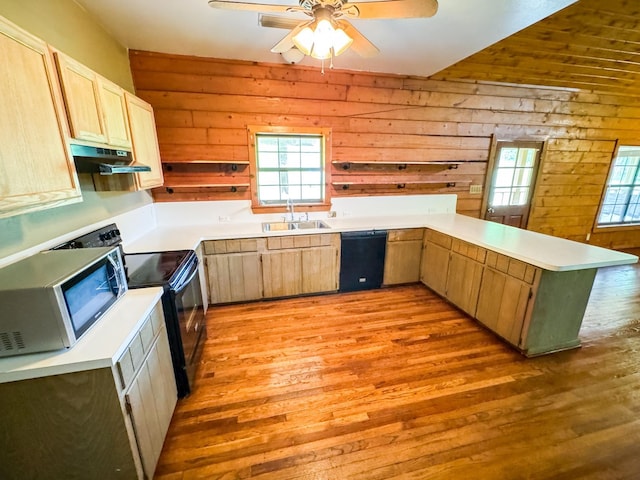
412	47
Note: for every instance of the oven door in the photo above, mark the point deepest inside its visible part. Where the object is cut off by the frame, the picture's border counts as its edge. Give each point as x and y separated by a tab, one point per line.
191	319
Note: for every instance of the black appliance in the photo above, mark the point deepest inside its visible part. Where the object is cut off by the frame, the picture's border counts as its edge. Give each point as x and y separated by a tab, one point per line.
177	273
362	260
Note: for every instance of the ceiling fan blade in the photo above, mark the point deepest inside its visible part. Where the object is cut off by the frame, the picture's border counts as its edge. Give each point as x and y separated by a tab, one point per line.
254	7
286	43
361	45
391	9
278	22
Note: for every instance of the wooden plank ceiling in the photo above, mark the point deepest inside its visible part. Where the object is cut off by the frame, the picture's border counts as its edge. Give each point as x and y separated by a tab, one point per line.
591	45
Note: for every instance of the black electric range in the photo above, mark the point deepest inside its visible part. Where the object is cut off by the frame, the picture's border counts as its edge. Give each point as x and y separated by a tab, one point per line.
177	273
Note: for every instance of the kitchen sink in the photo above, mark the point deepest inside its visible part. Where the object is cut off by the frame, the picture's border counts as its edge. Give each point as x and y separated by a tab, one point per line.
301	225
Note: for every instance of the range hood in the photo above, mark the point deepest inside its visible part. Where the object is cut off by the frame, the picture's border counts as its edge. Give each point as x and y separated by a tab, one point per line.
105	161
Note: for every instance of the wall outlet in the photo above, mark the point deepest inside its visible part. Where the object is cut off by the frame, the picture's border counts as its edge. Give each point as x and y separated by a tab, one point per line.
475	189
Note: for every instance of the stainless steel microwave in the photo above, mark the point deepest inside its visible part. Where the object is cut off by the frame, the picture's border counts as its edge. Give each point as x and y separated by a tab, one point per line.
49	300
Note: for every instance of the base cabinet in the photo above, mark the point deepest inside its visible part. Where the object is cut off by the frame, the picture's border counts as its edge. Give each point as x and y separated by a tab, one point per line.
535	310
253	268
234	277
152	395
434	267
502	305
97	423
301	264
402	258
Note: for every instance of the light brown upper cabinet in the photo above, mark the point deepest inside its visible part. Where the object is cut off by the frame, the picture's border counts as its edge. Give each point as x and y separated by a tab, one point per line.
35	160
95	106
145	141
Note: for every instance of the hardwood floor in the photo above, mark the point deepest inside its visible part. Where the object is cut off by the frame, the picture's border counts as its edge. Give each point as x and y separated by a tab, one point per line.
396	383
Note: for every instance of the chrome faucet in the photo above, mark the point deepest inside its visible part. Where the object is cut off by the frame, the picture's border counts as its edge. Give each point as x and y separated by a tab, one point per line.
290	209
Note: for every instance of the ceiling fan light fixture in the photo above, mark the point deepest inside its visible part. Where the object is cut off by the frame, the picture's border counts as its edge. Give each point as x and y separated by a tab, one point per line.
341	41
322	40
304	40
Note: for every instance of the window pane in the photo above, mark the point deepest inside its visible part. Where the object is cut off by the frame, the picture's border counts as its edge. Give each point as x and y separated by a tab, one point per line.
269	194
500	197
504	177
522	177
289	159
312	178
268	178
311	144
519	196
267	144
526	157
268	160
507	157
311	160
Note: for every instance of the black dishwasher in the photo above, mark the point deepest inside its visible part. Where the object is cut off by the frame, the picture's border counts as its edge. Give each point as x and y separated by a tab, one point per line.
362	260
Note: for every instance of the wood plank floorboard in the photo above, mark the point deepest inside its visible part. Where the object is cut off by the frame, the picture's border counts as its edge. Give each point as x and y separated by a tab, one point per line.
397	384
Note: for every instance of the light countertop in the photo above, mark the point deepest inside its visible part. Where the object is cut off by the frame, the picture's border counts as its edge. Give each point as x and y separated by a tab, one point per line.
544	251
101	346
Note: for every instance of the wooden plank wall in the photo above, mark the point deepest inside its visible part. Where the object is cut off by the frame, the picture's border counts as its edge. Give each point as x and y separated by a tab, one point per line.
203	106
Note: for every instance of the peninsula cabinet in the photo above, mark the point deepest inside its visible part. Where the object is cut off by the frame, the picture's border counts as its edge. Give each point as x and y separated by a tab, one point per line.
537	311
37	167
434	266
97	421
466	266
402	258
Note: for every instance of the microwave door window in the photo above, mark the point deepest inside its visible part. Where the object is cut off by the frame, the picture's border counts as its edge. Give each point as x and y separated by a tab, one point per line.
88	298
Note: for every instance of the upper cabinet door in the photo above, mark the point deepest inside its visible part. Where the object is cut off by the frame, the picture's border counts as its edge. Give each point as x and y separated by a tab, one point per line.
114	110
37	169
145	141
82	97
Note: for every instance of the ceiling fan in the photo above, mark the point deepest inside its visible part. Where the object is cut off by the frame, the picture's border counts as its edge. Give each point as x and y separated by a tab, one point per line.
328	34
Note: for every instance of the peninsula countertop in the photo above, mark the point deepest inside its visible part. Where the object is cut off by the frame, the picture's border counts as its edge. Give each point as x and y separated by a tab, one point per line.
544	251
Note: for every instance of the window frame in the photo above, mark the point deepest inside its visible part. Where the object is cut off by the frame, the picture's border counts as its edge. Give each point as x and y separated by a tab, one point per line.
620	225
325	133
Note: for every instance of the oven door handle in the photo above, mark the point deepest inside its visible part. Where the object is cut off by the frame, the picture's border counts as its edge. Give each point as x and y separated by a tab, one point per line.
190	276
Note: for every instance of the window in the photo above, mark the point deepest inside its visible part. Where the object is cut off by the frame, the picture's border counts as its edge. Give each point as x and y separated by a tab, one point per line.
514	174
621	201
288	165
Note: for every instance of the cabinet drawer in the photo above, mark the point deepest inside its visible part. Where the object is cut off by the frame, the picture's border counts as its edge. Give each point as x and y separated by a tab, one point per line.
299	241
438	238
469	250
212	247
405	235
133	357
512	267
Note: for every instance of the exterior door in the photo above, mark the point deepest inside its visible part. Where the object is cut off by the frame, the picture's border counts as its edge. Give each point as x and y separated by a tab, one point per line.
515	167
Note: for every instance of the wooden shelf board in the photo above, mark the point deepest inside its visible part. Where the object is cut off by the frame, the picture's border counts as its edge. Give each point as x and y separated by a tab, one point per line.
399	162
237	162
206	185
415	182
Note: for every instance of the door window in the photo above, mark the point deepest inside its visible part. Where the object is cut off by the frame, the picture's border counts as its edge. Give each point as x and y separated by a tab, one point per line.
515	167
